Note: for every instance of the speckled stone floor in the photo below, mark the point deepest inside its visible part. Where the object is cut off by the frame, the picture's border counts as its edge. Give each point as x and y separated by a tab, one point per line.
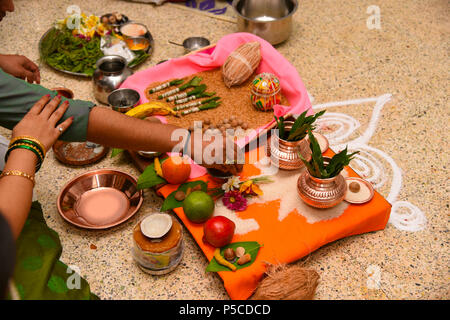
338	58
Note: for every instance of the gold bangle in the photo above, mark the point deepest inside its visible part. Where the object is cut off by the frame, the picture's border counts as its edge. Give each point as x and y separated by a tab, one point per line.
18	173
31	139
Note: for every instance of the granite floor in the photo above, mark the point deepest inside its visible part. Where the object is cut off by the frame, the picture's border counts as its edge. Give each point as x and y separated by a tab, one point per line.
339	58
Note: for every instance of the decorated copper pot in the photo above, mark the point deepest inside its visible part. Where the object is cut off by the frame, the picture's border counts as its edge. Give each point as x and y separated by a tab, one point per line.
285	154
321	193
266	91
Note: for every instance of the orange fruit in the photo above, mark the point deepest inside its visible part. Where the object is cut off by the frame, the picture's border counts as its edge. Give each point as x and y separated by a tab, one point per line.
176	169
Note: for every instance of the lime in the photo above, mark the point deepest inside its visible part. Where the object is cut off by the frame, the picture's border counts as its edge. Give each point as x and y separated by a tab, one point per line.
198	206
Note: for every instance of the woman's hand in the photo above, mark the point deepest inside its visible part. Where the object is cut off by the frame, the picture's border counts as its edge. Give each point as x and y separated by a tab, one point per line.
40	121
231	158
20	67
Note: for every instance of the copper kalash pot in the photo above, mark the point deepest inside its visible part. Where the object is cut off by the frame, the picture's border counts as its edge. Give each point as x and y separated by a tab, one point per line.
321	193
285	154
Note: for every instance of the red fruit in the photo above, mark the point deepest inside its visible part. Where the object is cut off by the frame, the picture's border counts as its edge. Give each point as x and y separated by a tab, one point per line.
218	231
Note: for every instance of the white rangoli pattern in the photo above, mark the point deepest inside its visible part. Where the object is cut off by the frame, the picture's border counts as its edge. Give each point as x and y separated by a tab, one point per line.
338	128
404	215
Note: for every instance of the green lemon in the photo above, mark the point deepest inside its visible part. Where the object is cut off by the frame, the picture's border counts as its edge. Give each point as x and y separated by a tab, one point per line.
198	206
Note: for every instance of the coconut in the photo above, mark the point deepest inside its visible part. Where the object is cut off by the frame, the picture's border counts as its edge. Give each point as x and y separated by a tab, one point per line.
156	225
284	282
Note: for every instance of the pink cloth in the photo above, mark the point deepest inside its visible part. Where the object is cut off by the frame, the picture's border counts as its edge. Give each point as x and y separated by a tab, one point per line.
271	61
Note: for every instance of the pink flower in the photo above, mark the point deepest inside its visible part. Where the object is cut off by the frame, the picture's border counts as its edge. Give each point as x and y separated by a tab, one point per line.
233	200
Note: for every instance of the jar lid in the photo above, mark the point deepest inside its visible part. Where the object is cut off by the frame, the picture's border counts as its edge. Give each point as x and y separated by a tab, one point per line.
266	83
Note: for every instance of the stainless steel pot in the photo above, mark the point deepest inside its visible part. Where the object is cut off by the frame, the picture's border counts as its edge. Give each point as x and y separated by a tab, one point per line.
109	74
268	19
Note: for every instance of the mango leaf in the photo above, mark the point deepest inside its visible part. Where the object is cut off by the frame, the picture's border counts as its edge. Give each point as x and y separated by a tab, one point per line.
171	203
149	178
251	247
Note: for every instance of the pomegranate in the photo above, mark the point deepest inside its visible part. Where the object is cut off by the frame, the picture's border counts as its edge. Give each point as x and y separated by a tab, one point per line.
218	231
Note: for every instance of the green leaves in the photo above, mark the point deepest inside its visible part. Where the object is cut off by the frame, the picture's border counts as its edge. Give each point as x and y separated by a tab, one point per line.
171	203
316	166
280	125
141	56
338	162
251	247
195	81
63	51
115	152
299	129
149	178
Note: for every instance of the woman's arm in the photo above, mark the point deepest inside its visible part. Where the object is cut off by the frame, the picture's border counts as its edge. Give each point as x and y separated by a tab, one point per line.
16	191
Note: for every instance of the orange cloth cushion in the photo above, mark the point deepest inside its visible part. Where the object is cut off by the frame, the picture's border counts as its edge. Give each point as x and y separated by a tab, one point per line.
287	240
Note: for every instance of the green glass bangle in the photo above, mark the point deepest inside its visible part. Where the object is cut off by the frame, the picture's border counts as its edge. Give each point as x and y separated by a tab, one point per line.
40	160
29	142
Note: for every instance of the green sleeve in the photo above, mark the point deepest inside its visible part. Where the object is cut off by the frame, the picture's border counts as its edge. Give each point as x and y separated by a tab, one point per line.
18	96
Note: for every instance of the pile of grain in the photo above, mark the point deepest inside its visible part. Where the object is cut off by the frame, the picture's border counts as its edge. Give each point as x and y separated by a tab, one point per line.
235	101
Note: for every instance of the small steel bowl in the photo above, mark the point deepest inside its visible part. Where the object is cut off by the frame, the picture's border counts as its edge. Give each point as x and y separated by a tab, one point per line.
99	199
268	19
195	43
123	100
132	42
149	154
126	25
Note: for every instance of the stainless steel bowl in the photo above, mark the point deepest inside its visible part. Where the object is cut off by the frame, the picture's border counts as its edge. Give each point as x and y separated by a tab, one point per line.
132	42
195	43
268	19
123	100
149	154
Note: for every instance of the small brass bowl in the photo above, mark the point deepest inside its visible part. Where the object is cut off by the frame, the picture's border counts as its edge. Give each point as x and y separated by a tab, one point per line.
100	199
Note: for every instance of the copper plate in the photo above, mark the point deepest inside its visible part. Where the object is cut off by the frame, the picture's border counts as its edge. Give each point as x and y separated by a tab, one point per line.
100	199
78	153
362	181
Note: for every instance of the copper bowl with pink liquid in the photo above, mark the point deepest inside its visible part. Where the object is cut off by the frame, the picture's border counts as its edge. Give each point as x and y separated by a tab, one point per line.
100	199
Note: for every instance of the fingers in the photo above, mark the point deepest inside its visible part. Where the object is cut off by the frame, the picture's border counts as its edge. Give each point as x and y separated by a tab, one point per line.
39	105
57	115
51	107
62	127
32	71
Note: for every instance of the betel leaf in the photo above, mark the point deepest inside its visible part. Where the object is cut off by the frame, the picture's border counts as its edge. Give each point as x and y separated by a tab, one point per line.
171	203
115	152
251	247
149	178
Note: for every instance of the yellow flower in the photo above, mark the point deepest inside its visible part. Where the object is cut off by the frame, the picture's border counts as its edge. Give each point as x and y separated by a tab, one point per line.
249	187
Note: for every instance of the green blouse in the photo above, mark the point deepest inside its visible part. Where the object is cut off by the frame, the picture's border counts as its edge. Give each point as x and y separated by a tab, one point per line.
18	96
